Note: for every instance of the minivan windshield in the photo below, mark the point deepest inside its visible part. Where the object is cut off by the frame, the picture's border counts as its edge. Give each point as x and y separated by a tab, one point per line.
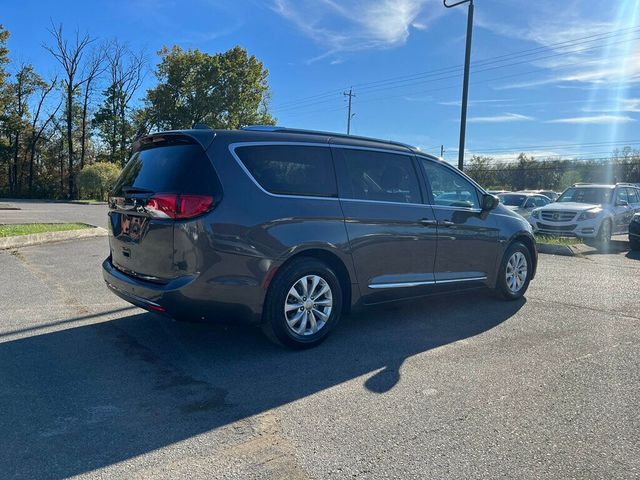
595	195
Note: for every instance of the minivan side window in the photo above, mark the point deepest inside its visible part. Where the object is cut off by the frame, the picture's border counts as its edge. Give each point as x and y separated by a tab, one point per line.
450	189
291	169
632	193
379	176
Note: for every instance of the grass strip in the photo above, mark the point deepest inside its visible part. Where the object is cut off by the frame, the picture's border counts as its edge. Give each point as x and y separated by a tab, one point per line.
9	230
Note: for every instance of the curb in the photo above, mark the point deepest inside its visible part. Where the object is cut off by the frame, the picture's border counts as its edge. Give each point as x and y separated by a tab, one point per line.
582	249
550	249
20	241
49	200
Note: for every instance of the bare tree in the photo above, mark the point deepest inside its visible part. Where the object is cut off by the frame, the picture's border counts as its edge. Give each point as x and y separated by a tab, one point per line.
70	55
127	71
91	71
37	127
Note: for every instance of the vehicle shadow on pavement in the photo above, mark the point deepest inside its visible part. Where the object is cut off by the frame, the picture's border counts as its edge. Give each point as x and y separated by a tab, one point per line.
83	398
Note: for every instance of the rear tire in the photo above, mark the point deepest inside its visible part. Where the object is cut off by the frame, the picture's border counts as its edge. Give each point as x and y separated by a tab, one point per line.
515	272
303	304
634	243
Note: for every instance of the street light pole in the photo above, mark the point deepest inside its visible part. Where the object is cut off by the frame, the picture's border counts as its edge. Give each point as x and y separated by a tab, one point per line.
465	85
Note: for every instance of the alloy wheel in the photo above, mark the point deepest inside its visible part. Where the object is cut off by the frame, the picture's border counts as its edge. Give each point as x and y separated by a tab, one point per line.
308	305
516	272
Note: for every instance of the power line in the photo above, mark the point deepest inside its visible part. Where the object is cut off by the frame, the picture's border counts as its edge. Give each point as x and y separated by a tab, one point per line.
457	85
490	60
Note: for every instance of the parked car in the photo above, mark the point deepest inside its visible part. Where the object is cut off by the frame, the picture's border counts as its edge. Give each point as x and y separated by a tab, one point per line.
550	194
634	232
291	228
523	203
497	192
589	211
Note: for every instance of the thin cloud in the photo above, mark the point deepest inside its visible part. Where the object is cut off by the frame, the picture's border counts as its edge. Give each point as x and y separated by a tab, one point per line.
627	105
356	25
555	25
507	117
457	103
595	119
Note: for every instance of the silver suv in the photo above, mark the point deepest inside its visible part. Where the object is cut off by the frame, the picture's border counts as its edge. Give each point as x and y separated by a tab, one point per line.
589	210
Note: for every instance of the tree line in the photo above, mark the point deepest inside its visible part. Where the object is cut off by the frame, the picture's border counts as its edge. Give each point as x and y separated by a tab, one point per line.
69	135
555	173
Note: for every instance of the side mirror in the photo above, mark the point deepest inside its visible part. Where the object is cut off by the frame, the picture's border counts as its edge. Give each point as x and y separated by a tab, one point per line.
622	203
489	202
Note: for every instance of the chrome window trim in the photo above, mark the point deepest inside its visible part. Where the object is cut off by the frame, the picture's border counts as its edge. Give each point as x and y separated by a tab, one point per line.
462	209
383	202
374	286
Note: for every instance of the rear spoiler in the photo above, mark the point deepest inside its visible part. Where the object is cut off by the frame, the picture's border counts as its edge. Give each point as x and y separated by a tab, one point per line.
202	137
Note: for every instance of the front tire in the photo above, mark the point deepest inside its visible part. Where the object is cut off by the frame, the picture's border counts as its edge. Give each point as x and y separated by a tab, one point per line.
303	305
634	243
515	272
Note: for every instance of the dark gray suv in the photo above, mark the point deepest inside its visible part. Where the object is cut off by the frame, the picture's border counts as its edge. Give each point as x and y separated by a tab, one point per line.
291	228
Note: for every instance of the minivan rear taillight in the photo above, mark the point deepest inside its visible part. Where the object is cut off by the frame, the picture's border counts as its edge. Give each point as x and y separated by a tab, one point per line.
179	206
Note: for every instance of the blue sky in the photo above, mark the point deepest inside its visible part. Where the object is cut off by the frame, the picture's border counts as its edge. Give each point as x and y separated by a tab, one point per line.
558	77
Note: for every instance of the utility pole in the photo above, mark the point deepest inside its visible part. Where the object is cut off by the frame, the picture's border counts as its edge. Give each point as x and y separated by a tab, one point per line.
349	94
465	86
441	151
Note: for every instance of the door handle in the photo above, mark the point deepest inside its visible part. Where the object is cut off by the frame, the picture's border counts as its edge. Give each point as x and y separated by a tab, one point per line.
428	222
445	223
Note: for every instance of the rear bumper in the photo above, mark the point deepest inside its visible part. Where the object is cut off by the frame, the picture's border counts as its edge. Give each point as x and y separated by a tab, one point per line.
150	296
184	298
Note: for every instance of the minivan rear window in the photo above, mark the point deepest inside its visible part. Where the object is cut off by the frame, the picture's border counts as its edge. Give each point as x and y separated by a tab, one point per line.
172	167
291	169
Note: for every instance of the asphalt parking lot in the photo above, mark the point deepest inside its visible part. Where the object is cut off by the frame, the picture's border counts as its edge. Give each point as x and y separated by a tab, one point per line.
448	387
27	211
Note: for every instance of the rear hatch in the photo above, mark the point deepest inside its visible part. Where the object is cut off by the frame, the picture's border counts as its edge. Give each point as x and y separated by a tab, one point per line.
168	178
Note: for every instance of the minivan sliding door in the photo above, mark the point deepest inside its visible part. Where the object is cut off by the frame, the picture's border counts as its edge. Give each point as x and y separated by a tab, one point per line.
392	234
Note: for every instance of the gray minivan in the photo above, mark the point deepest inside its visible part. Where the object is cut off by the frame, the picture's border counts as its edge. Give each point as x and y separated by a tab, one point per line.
291	228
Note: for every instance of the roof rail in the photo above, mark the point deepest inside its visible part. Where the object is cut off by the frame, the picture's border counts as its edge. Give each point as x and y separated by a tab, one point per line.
273	128
264	128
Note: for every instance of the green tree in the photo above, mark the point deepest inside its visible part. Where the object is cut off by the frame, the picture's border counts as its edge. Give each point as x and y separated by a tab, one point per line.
225	90
5	152
113	129
96	180
479	168
18	124
569	178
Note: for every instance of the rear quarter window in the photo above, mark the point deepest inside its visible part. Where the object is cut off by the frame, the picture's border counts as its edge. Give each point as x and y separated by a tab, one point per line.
291	169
